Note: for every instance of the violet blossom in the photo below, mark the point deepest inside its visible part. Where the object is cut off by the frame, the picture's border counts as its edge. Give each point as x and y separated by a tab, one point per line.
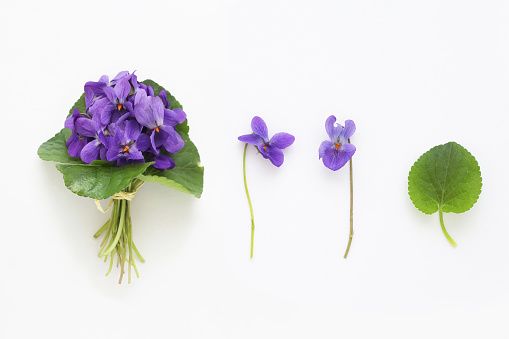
270	148
336	152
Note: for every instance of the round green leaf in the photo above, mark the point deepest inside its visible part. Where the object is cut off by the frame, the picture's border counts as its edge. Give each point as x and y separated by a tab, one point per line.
447	177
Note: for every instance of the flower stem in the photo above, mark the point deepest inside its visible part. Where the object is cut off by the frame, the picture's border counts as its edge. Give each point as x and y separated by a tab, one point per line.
118	236
351	209
249	201
441	215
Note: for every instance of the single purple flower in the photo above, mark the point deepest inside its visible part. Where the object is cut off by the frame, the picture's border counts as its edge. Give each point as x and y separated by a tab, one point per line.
95	149
94	89
336	152
127	143
76	141
270	148
150	112
117	97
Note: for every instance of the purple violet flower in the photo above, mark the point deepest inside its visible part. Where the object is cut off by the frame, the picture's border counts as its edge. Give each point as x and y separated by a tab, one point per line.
336	152
76	141
127	143
270	148
150	112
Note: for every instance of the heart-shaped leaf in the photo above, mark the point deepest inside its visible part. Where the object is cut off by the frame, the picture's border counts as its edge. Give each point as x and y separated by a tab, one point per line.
447	178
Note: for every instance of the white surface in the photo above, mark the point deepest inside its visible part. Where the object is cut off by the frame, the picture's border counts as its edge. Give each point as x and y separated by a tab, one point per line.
411	74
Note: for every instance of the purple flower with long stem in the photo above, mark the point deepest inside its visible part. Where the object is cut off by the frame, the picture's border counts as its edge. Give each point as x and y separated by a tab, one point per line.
336	152
269	148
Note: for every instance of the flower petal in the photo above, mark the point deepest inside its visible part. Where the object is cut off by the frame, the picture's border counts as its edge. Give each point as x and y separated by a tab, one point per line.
119	76
90	152
85	127
259	127
334	159
157	110
274	154
324	146
174	117
333	130
143	142
282	140
132	130
122	89
349	129
164	162
76	146
174	147
252	139
164	98
110	94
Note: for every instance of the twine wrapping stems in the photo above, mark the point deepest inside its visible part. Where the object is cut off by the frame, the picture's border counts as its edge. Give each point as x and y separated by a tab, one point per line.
122	195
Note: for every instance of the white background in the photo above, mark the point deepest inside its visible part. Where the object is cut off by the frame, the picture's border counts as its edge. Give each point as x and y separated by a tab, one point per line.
411	74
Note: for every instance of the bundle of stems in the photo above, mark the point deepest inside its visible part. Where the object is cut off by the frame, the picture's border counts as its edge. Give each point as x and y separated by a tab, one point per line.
118	234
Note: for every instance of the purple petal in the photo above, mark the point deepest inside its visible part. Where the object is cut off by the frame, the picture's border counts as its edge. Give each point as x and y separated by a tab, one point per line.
274	154
174	117
333	130
134	82
252	139
259	127
174	147
166	133
158	110
102	153
349	130
106	113
334	158
135	154
145	116
324	146
86	127
76	146
69	122
132	130
349	149
143	142
90	152
153	141
119	76
122	89
110	94
141	97
282	140
164	98
164	162
150	91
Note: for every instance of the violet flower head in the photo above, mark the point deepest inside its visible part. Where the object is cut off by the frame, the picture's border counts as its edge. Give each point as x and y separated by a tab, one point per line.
336	152
270	148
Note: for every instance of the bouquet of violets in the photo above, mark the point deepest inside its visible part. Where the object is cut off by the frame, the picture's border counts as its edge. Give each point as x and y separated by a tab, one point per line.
118	135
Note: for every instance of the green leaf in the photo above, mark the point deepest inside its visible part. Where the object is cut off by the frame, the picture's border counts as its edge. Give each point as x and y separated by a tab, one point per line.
100	179
55	150
79	104
183	127
447	178
186	176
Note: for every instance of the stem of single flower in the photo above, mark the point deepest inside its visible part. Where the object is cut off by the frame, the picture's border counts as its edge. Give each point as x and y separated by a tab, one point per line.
441	215
351	209
249	201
